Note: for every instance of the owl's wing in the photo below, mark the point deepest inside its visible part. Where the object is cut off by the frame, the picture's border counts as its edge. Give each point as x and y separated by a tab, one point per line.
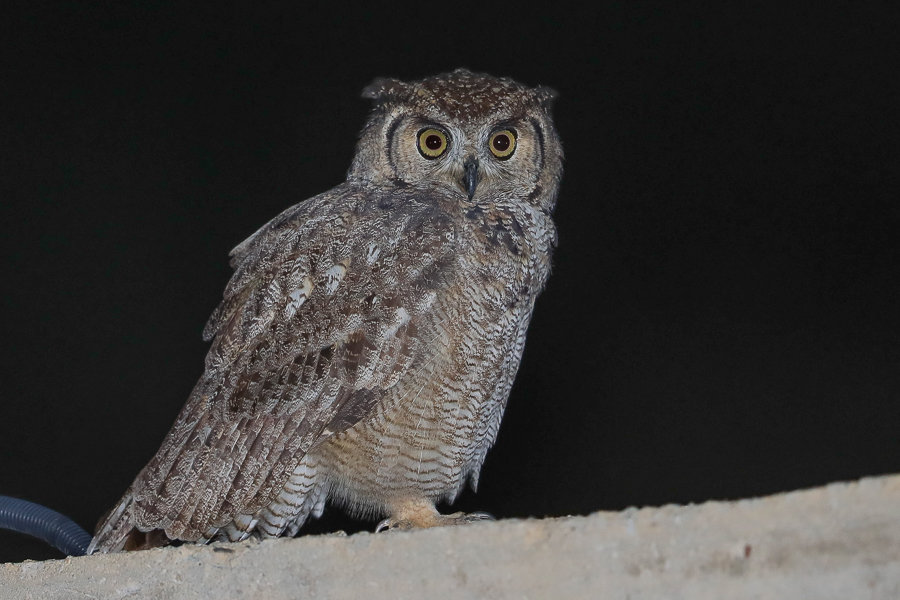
323	315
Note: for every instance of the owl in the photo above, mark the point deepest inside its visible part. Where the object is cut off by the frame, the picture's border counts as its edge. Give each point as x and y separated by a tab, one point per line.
365	346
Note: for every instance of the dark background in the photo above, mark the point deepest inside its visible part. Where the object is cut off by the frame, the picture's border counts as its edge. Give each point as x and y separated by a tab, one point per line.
722	320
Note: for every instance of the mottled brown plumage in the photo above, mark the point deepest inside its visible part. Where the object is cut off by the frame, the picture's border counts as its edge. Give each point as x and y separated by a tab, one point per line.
366	344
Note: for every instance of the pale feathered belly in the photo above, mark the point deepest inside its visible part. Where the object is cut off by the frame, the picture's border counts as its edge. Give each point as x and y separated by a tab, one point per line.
420	443
433	431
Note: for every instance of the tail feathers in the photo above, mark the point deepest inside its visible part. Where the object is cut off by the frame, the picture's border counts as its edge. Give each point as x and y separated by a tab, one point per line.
117	532
128	527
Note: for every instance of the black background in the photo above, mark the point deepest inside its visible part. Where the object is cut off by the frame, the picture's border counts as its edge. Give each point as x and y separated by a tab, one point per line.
722	320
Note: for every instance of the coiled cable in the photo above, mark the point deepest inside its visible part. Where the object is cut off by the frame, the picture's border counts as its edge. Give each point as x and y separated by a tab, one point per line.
46	524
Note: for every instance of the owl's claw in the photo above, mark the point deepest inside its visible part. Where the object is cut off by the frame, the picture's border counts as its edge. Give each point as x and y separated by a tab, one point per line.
393	524
474	517
458	518
384	525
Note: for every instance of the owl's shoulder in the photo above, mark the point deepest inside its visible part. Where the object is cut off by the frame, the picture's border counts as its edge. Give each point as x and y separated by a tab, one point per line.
376	236
353	211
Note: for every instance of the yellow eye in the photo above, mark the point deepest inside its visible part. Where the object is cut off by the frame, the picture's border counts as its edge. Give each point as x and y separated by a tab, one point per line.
432	142
503	143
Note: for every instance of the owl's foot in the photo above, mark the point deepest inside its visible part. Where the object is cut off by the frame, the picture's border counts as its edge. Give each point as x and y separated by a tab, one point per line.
461	518
458	518
418	514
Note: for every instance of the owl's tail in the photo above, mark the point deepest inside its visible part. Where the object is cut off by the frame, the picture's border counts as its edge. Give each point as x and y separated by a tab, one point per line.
117	532
114	527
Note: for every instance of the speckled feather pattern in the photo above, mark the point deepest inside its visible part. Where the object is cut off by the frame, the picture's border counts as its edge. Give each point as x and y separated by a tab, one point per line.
367	341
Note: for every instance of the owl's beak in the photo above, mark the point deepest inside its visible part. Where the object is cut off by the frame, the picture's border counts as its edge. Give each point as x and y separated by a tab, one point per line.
470	176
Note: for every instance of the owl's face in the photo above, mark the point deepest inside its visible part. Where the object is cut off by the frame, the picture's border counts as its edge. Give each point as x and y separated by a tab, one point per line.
486	158
481	138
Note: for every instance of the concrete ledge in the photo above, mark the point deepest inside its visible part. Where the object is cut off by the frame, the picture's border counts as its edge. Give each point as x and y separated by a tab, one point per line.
841	541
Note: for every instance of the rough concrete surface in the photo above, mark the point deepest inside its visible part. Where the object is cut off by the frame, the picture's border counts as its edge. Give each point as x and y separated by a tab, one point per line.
840	541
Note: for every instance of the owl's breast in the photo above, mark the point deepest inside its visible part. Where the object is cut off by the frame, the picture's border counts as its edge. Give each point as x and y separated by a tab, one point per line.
431	430
510	246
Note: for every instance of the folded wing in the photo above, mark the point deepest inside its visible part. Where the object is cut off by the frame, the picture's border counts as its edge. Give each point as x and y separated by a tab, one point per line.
322	317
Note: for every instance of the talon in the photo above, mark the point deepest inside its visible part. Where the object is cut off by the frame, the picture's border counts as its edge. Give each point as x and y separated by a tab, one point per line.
480	516
384	525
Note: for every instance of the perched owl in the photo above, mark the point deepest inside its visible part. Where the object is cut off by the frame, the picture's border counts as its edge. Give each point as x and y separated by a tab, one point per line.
365	347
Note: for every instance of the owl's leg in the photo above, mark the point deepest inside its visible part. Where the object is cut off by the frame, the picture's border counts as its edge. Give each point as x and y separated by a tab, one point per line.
418	513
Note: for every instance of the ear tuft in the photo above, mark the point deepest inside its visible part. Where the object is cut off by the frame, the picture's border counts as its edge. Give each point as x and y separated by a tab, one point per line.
545	96
384	89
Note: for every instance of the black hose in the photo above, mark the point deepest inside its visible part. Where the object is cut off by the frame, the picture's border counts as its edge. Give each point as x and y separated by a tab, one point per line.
32	519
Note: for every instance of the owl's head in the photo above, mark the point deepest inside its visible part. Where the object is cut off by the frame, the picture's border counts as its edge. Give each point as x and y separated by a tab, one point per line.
485	138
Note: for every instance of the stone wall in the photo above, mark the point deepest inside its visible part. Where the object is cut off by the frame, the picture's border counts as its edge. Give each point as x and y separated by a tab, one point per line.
841	541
